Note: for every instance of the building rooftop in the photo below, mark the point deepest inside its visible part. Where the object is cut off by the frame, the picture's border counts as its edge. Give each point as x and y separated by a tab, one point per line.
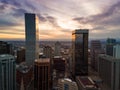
79	31
86	82
4	56
23	67
109	58
42	60
57	56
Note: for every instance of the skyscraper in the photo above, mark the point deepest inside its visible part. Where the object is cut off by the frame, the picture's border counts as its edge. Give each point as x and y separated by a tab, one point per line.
95	50
109	71
5	48
109	46
7	72
80	52
48	52
57	49
116	51
42	74
32	38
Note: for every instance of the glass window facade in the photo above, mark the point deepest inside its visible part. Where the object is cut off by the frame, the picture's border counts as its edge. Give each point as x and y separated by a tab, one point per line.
80	52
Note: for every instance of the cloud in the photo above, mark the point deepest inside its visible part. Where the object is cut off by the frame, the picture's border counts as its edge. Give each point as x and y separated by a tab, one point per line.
5	23
19	12
106	19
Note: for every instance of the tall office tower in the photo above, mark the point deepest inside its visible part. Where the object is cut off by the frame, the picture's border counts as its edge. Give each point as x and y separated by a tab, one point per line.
48	52
57	49
109	46
5	48
109	71
116	51
32	38
42	74
95	49
80	52
20	55
7	72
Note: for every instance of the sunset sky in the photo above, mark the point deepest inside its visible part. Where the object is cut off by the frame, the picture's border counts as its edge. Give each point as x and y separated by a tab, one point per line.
58	18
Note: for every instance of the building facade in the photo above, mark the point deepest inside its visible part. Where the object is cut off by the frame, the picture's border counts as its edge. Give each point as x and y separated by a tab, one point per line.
80	52
116	51
7	72
47	51
42	74
109	46
20	55
24	77
95	50
32	38
57	49
5	48
109	71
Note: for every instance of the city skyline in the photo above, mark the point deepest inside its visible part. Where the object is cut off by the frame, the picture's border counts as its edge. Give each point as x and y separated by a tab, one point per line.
59	18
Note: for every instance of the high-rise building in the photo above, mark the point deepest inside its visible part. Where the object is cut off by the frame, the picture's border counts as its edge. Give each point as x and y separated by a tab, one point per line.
116	51
59	64
80	52
109	71
57	49
24	75
42	74
20	55
48	52
32	38
109	46
5	48
7	72
95	50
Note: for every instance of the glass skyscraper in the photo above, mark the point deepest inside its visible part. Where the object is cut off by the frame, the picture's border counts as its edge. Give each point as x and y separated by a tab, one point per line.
7	72
32	38
80	52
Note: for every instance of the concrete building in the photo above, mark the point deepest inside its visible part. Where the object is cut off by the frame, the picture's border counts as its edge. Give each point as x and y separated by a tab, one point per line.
57	49
7	72
42	74
86	83
109	71
95	50
109	46
67	84
24	77
59	64
20	55
32	38
116	51
80	52
47	51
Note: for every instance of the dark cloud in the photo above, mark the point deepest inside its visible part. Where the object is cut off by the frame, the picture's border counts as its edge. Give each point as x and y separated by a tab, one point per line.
12	2
5	23
19	12
52	20
41	18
